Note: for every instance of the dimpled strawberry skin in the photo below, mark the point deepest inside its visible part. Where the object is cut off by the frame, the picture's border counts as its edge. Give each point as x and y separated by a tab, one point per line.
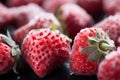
6	59
109	68
45	50
78	61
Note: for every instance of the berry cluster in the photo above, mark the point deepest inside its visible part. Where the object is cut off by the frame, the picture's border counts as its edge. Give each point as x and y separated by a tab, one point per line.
47	33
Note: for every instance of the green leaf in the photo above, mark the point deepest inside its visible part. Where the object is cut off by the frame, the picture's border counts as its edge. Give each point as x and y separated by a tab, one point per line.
15	51
8	41
54	26
98	35
93	56
8	34
92	40
88	50
101	58
106	35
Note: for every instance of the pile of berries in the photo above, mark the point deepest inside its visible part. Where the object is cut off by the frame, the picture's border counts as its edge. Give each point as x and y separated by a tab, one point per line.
48	33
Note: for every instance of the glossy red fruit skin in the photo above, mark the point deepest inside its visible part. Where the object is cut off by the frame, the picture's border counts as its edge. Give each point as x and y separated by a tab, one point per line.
93	7
79	63
45	50
112	25
52	5
74	18
6	59
111	7
109	67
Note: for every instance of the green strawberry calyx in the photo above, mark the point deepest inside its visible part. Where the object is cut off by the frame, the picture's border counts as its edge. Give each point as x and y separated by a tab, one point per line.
99	47
15	50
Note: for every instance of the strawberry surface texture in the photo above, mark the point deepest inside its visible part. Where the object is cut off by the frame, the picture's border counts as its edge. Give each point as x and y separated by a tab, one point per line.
45	50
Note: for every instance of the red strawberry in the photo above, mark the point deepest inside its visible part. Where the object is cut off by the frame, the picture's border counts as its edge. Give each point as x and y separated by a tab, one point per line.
93	7
111	6
18	16
109	68
51	5
111	24
89	47
45	50
9	53
43	20
24	14
73	18
5	17
12	3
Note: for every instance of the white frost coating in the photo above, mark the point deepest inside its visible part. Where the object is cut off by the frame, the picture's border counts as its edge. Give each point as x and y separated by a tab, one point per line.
113	54
71	8
44	18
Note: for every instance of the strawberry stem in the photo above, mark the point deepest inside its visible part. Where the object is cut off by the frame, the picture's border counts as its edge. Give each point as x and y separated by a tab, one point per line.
99	46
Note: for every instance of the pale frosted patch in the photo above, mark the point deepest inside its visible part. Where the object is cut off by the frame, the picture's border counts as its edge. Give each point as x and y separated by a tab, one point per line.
111	55
118	39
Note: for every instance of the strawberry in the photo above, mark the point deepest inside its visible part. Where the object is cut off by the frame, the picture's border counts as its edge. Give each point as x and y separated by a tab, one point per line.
89	48
13	3
112	25
23	14
73	18
111	7
51	5
5	17
9	54
18	16
93	7
45	50
43	20
109	68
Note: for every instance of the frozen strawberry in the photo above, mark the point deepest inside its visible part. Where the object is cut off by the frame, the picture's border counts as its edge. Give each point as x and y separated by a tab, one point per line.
109	68
112	25
13	3
93	7
43	20
111	6
51	5
5	17
23	14
45	50
73	18
18	16
89	48
9	53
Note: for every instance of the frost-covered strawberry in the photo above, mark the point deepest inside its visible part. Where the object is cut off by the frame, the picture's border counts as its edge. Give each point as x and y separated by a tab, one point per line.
112	25
24	14
73	18
89	48
51	5
9	54
18	16
45	50
13	3
93	7
111	6
43	20
5	16
109	68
